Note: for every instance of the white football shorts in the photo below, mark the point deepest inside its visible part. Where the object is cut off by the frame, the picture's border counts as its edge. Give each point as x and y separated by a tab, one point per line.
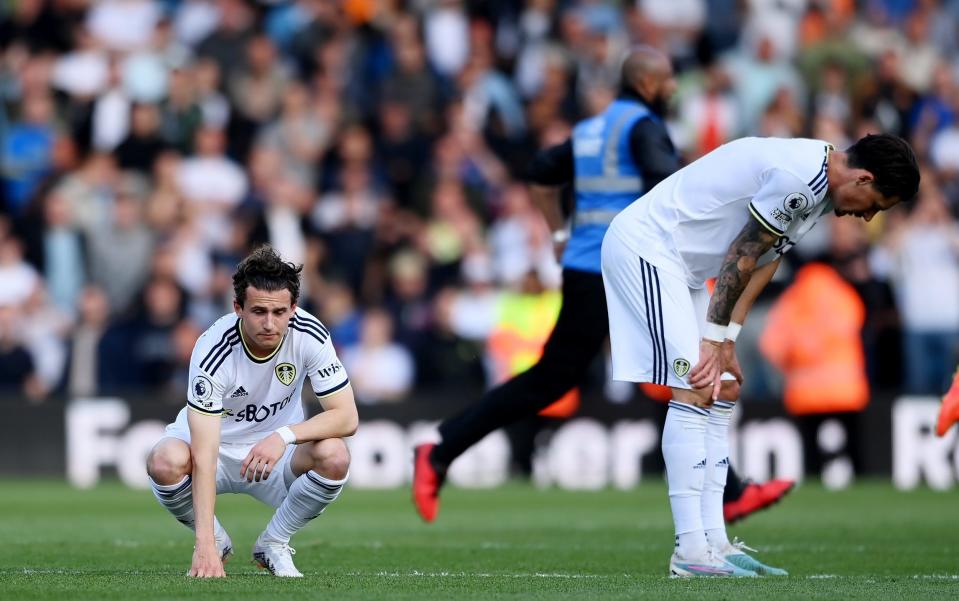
655	319
271	491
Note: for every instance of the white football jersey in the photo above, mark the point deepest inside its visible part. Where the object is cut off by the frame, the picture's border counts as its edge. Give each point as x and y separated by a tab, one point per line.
686	224
256	395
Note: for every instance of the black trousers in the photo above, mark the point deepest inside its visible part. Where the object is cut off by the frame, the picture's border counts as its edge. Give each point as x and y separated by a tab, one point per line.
579	334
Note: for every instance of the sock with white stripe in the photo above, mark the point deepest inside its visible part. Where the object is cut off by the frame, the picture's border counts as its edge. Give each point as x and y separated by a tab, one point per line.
717	466
308	497
684	450
178	500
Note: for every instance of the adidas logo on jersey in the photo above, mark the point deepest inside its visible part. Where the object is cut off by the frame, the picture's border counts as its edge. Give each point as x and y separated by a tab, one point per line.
239	392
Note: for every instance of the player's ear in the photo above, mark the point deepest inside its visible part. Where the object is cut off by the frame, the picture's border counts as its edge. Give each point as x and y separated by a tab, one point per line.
865	178
236	307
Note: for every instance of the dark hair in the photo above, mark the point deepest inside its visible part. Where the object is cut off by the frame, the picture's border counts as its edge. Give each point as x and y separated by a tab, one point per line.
265	270
891	161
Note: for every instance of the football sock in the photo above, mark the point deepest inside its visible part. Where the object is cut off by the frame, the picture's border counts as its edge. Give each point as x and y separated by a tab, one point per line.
684	451
178	500
717	464
308	497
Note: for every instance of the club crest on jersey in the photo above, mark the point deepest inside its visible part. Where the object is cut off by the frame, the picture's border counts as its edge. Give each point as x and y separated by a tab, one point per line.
681	367
202	388
285	372
795	203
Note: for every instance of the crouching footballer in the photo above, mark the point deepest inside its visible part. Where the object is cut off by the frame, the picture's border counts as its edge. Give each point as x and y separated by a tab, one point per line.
243	429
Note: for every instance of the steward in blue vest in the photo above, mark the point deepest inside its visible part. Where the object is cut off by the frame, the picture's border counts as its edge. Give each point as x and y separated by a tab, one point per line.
611	160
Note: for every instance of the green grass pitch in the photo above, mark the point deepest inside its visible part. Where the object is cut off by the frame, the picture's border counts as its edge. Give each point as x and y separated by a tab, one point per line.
517	542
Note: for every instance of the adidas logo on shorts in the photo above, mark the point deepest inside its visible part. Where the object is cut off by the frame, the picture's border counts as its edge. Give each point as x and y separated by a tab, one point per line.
239	392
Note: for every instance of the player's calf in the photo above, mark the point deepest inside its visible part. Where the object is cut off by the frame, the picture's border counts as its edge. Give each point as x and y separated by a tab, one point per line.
170	467
327	466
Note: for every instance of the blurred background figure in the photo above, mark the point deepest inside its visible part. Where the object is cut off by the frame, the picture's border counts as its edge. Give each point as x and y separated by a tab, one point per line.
381	371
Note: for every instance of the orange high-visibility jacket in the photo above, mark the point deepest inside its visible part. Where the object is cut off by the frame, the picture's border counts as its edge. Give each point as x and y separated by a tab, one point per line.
523	324
813	337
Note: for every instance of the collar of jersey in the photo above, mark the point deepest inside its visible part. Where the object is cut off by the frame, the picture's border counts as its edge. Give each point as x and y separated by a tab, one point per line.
247	350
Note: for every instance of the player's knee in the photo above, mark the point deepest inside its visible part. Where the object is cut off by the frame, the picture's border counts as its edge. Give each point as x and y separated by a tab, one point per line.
168	462
331	458
729	391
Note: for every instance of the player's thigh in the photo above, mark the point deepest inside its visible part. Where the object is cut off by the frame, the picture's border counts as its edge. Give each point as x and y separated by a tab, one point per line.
700	296
653	329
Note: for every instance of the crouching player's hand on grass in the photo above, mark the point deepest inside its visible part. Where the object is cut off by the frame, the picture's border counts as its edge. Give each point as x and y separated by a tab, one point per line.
206	562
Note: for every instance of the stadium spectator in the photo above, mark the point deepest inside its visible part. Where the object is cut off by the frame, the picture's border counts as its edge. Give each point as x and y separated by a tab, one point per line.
925	270
813	335
17	370
140	149
27	150
120	249
381	371
86	356
20	279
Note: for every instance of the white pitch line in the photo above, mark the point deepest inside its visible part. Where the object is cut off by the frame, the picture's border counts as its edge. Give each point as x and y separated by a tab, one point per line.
418	574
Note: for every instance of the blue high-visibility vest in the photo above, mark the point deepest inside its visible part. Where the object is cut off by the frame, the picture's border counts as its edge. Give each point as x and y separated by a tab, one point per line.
607	179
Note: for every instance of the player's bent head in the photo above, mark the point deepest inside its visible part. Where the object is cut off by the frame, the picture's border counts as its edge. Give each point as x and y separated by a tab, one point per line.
265	270
892	163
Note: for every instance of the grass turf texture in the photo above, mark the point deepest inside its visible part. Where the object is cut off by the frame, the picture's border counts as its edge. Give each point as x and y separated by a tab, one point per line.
869	542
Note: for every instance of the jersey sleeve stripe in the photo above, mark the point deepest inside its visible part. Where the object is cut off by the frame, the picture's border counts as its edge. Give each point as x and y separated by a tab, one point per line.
312	333
323	332
215	348
320	330
763	221
221	348
336	388
312	321
202	410
223	358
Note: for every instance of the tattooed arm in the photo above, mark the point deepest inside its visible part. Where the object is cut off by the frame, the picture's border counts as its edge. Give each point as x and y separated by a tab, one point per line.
757	282
752	242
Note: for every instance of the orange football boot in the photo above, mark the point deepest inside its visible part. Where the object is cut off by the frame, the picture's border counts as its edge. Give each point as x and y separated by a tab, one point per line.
426	483
949	410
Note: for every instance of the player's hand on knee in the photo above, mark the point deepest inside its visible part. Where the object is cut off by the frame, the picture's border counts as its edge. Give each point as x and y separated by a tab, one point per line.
259	462
206	563
708	370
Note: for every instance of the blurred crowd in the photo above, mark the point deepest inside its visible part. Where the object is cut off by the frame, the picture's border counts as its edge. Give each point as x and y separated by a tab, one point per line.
147	145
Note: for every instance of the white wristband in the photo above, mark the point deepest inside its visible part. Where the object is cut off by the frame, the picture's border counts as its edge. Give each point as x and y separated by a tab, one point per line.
560	236
286	434
714	332
732	331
